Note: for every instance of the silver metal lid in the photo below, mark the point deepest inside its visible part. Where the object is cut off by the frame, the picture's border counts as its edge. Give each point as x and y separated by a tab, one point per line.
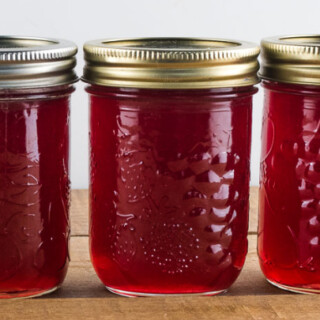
28	62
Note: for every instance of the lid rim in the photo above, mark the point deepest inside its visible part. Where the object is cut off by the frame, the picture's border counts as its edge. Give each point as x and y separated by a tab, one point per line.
291	59
103	58
31	62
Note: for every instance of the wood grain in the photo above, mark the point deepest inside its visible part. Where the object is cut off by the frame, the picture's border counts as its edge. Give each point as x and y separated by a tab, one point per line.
253	212
79	212
82	295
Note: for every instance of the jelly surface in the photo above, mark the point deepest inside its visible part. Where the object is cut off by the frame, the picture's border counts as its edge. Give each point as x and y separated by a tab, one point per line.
289	219
169	188
34	193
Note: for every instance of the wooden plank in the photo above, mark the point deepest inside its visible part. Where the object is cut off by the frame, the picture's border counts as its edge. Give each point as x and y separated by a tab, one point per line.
253	212
234	308
79	212
82	296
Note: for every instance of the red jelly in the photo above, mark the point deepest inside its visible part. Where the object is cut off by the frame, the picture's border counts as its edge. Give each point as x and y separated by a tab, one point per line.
34	183
169	187
289	219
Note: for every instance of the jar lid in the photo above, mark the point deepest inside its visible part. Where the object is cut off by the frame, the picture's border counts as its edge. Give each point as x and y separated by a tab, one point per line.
28	62
171	63
291	59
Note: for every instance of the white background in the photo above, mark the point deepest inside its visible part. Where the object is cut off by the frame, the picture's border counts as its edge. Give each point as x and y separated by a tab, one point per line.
81	20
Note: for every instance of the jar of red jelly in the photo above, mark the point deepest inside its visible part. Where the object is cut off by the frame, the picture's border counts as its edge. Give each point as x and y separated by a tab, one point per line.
36	77
289	214
170	143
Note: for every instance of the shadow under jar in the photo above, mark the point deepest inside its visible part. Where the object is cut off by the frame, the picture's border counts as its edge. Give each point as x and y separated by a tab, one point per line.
289	209
36	77
170	143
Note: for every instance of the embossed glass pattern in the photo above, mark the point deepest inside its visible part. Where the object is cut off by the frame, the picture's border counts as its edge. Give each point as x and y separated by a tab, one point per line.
34	190
169	188
289	220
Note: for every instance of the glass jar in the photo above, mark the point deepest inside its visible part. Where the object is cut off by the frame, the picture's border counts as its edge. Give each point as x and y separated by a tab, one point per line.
289	216
170	151
36	77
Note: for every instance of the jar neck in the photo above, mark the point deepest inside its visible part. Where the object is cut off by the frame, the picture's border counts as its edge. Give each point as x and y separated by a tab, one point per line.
300	89
216	93
36	93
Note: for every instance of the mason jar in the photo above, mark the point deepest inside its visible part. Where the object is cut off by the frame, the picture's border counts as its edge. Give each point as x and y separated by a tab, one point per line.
36	80
289	216
170	136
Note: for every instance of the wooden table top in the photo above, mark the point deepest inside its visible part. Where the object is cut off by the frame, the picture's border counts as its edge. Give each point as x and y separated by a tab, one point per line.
83	296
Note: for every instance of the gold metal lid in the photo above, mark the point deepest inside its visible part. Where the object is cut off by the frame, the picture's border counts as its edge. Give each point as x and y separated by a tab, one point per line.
28	62
291	59
171	63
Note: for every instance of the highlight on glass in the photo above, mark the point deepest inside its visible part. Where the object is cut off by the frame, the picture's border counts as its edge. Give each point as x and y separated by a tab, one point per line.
36	80
289	220
170	136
